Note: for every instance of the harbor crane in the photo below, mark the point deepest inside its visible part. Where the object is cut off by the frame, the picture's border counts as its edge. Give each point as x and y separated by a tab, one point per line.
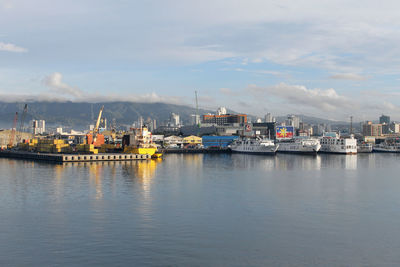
21	124
96	127
94	137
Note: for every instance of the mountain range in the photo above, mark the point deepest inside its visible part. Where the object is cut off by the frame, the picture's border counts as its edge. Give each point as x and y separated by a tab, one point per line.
79	114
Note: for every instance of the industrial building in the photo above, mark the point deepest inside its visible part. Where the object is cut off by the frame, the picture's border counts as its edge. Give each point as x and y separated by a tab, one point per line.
210	141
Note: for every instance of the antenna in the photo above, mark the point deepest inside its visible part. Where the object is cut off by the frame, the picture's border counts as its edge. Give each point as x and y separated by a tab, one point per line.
21	125
197	110
351	124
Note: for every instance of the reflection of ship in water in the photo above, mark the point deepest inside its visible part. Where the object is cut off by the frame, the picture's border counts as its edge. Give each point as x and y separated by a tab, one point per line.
294	162
142	171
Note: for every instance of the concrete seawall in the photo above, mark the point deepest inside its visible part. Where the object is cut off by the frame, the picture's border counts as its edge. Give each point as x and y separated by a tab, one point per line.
73	157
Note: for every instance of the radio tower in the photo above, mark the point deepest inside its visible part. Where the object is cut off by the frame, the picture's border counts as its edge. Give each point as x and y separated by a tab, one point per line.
351	124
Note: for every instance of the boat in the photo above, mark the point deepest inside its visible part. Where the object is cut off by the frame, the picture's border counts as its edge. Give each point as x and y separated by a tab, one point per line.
332	142
364	148
254	146
156	156
389	146
139	142
299	145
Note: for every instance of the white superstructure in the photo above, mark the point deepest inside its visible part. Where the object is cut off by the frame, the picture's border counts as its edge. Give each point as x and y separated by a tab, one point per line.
300	145
364	148
254	146
387	147
333	143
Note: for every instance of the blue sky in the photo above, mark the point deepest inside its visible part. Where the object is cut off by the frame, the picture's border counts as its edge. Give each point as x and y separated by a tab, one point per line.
329	59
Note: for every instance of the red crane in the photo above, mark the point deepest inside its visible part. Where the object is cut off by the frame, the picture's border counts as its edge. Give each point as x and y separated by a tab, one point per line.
12	133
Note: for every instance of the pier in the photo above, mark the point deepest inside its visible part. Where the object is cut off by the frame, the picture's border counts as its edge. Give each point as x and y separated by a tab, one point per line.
60	158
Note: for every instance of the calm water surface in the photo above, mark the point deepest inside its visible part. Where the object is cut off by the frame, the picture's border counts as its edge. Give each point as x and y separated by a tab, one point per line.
203	210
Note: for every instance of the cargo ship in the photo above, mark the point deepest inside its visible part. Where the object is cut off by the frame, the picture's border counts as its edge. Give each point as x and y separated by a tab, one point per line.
254	146
299	146
139	142
333	143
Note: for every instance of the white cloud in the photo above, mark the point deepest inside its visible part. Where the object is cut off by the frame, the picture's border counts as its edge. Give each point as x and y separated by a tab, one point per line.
322	100
55	83
12	48
349	76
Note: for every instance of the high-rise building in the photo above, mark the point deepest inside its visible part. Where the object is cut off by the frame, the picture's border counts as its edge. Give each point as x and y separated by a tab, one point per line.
221	111
370	129
395	127
225	119
174	120
268	117
194	119
38	126
293	120
384	119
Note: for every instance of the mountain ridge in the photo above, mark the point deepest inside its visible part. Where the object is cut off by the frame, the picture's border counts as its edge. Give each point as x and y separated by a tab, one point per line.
82	114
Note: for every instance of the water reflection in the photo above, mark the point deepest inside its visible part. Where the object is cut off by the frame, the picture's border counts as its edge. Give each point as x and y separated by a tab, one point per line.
268	163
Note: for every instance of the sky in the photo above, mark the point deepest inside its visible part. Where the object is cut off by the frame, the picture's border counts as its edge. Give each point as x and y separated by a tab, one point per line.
330	59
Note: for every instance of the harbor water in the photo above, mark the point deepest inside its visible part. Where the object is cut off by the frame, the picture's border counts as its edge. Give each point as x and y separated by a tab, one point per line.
203	210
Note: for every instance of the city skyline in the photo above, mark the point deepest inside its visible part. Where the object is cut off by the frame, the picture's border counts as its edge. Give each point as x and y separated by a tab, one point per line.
332	60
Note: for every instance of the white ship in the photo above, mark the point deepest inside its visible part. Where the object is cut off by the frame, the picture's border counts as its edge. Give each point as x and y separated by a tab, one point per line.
254	146
364	148
300	145
333	143
387	147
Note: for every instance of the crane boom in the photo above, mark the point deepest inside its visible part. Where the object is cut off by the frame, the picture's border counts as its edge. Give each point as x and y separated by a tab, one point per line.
96	128
21	124
197	111
12	134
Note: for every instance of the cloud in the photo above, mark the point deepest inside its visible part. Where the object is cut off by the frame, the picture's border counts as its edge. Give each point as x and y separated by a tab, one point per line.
49	97
323	100
61	92
349	76
262	72
8	47
54	82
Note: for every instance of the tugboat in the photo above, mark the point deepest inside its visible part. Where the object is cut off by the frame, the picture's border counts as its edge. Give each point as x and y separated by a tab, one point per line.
260	146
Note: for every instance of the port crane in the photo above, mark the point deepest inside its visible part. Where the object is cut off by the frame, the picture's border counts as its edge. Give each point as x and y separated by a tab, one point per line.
197	111
96	127
12	133
21	124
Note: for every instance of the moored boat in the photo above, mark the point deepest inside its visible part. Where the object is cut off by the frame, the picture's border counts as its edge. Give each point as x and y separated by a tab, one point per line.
364	148
387	147
299	145
254	146
333	143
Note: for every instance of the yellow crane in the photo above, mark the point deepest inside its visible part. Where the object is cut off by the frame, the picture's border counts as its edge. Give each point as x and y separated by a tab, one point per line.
96	127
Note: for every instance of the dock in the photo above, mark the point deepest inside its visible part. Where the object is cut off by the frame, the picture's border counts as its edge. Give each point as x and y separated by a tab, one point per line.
61	158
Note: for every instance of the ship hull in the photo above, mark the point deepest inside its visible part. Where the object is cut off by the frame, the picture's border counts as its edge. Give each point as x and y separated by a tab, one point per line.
254	152
293	148
386	150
